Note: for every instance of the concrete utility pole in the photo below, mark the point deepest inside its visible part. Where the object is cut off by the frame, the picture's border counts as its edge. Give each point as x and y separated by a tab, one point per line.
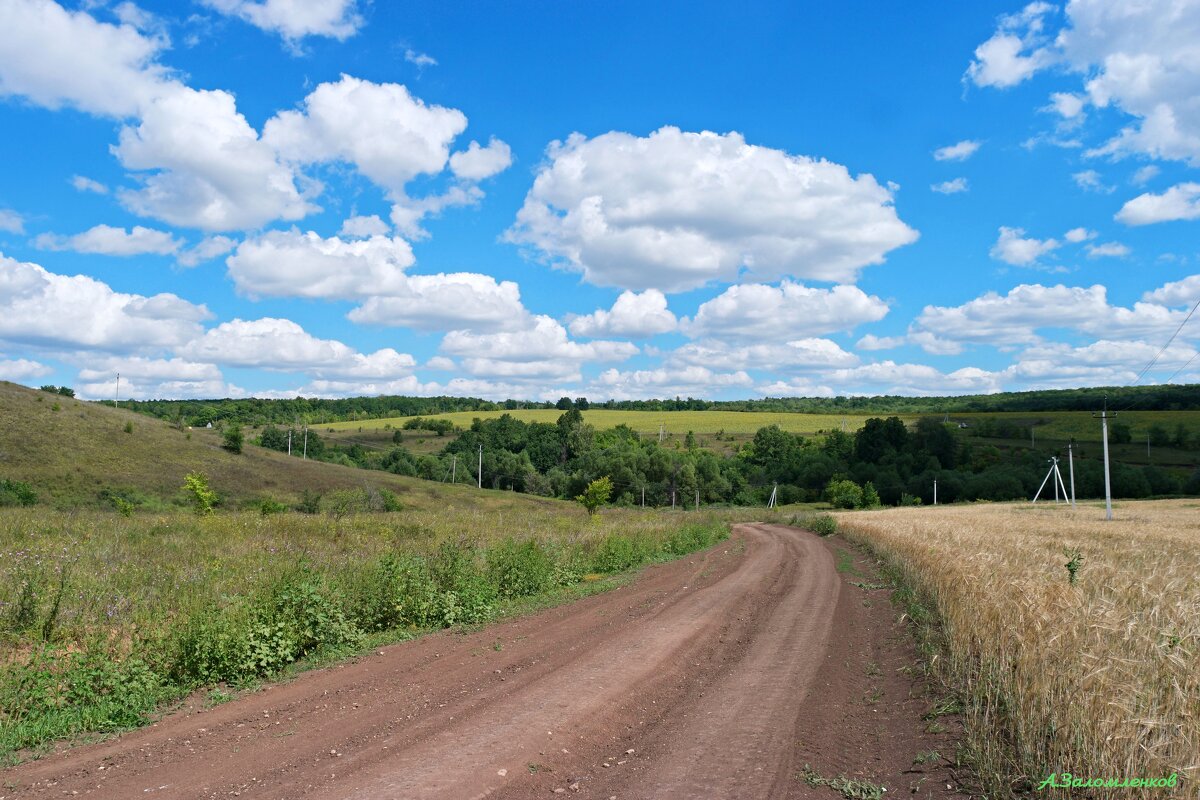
935	492
1071	466
289	441
480	481
1104	418
117	391
643	497
453	467
306	441
771	501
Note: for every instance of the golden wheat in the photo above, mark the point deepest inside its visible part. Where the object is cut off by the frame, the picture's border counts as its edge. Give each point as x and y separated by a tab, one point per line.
1100	678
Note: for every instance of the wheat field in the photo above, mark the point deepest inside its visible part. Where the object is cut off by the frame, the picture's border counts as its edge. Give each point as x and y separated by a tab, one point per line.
1099	678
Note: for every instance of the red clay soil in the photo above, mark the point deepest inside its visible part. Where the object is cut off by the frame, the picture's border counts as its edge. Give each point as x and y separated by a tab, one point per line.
721	675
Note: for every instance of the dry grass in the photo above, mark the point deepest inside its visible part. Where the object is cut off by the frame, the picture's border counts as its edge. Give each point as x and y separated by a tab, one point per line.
1099	679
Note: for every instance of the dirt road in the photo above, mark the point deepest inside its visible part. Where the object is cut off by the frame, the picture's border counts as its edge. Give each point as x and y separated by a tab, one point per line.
717	676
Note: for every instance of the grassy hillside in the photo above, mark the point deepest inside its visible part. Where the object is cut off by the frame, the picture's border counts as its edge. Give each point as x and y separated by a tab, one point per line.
71	452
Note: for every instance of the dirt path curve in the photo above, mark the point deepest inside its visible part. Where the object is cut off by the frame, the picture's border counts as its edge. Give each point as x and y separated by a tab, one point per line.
693	681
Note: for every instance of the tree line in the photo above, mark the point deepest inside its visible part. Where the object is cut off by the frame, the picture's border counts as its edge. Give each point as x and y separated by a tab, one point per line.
885	463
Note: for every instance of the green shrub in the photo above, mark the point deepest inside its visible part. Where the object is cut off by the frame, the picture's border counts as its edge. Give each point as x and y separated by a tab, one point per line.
820	524
267	507
520	569
296	616
616	552
397	591
310	502
233	439
16	493
465	593
52	694
385	500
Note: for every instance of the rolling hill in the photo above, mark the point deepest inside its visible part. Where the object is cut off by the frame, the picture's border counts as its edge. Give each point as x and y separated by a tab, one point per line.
71	452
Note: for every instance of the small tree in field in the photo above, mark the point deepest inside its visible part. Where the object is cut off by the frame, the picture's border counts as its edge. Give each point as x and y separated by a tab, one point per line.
233	439
596	494
844	494
202	497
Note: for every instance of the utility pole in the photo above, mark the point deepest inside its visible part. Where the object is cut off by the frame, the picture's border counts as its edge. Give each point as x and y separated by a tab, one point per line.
117	392
771	502
672	499
697	499
453	467
1058	481
661	432
289	441
306	441
1104	418
935	492
480	481
643	497
1071	466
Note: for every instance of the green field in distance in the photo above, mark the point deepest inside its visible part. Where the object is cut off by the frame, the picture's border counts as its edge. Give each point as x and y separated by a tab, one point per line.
1049	424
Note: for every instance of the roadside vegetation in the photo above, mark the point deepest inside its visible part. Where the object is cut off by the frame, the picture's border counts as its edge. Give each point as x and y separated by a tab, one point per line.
104	618
1073	644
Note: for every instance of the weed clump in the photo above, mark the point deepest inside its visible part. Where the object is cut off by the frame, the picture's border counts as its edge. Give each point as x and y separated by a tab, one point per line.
820	524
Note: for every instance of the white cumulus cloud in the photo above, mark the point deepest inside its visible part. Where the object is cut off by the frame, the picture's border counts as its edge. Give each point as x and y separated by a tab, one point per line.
295	264
1016	51
110	241
540	351
960	151
1108	250
33	302
476	163
1013	247
296	19
22	369
460	300
282	345
83	183
953	186
634	314
1180	202
676	210
11	221
756	311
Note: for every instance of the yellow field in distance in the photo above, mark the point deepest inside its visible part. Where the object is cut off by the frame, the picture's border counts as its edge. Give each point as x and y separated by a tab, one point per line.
647	422
1049	424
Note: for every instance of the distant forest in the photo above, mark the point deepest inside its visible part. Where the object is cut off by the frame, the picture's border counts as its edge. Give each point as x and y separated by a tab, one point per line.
257	412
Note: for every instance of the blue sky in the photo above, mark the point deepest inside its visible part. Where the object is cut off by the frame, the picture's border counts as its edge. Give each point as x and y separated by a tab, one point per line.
330	197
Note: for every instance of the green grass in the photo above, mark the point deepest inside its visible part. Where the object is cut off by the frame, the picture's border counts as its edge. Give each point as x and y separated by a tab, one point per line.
104	618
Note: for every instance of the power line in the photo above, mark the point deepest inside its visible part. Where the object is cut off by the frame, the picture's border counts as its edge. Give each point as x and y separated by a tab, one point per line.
1150	364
